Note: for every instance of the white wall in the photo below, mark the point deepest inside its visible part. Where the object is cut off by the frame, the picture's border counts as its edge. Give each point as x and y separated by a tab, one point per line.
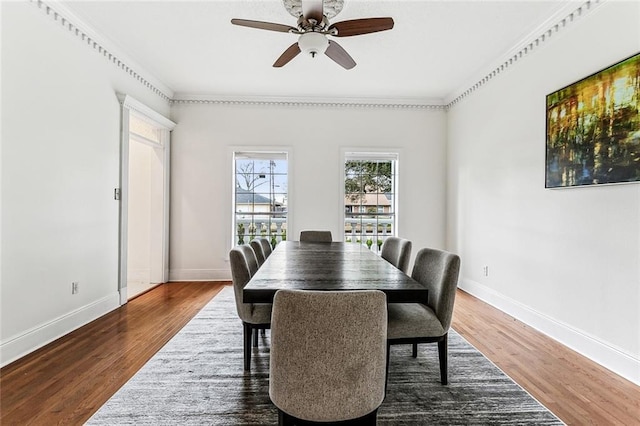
203	140
566	261
60	165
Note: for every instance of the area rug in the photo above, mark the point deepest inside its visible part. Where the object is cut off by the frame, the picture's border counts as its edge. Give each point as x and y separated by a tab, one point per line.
197	379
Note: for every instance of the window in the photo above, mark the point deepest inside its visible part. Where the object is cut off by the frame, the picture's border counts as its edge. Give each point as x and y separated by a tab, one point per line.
370	198
260	196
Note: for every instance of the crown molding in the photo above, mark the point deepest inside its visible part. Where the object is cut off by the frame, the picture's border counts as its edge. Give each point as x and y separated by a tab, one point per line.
560	20
563	18
109	50
101	45
423	104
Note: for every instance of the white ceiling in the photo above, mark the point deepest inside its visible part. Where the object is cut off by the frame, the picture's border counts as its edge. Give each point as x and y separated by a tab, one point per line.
434	50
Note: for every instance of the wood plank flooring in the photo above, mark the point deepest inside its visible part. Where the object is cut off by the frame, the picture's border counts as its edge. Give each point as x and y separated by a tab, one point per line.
68	380
574	388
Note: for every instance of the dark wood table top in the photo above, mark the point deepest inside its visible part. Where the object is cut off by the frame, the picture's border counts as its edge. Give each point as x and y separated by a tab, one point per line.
330	266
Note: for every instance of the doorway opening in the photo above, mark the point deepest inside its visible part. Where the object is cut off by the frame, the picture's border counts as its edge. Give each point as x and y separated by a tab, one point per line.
144	196
144	247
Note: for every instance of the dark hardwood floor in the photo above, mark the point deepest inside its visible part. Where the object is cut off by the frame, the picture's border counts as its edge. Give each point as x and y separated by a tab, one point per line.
68	380
574	388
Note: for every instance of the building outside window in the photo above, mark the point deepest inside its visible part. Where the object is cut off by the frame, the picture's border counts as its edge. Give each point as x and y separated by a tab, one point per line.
260	196
370	181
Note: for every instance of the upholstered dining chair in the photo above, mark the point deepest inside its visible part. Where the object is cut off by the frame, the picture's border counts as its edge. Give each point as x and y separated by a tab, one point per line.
397	251
262	248
316	236
328	356
259	251
250	256
254	316
266	247
417	323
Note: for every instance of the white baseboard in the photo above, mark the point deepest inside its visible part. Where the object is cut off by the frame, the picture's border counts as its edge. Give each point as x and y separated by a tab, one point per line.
200	275
610	357
27	342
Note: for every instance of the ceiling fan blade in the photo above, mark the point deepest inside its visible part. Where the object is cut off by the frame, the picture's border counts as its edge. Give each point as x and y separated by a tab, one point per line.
313	9
263	25
339	55
288	55
361	26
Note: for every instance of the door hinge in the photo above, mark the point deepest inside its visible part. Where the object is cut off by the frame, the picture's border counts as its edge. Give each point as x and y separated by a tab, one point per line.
116	194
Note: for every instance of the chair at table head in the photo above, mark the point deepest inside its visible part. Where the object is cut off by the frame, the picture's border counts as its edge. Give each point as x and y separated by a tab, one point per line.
416	323
311	236
397	251
254	316
328	355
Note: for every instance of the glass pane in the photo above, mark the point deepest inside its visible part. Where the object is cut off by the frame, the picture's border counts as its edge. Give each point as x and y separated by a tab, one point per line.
280	167
261	197
369	200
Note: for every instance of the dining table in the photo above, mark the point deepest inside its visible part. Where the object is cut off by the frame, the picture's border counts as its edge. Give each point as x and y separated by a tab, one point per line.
335	266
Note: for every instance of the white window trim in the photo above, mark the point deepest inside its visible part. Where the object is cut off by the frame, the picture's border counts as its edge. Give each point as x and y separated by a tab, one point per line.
362	153
275	149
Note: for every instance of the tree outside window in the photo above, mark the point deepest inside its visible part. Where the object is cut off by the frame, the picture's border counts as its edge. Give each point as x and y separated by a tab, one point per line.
370	198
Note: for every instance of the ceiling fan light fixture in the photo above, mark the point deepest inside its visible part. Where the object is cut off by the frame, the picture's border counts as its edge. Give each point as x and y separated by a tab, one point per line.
313	43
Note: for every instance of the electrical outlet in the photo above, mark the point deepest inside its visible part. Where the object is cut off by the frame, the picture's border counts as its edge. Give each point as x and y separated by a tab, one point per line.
74	287
486	271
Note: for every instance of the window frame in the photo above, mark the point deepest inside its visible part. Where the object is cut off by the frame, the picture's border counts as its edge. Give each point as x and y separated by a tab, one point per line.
263	153
355	154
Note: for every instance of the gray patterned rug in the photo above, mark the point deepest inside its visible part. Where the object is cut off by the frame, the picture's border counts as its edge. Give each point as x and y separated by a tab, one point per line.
197	379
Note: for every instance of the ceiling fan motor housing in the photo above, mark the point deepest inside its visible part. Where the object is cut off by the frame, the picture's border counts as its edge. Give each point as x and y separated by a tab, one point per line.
313	43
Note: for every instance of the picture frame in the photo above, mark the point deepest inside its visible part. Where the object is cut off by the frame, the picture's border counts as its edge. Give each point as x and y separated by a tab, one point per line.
593	128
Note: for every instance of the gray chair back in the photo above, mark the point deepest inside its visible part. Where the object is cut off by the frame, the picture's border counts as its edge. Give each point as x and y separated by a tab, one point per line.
241	275
316	236
252	260
438	270
266	247
397	251
328	353
258	251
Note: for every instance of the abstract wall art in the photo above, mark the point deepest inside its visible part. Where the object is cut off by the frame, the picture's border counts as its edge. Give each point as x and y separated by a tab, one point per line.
593	128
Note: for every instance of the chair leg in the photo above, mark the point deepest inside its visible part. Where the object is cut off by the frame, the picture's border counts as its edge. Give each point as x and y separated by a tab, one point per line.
415	350
254	333
386	372
442	355
369	419
263	332
284	419
246	335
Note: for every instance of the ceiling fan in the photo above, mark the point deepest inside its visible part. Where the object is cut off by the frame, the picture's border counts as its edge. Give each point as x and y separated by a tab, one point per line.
313	29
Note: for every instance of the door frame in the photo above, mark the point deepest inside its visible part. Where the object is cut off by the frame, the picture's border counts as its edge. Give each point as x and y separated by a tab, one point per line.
131	106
